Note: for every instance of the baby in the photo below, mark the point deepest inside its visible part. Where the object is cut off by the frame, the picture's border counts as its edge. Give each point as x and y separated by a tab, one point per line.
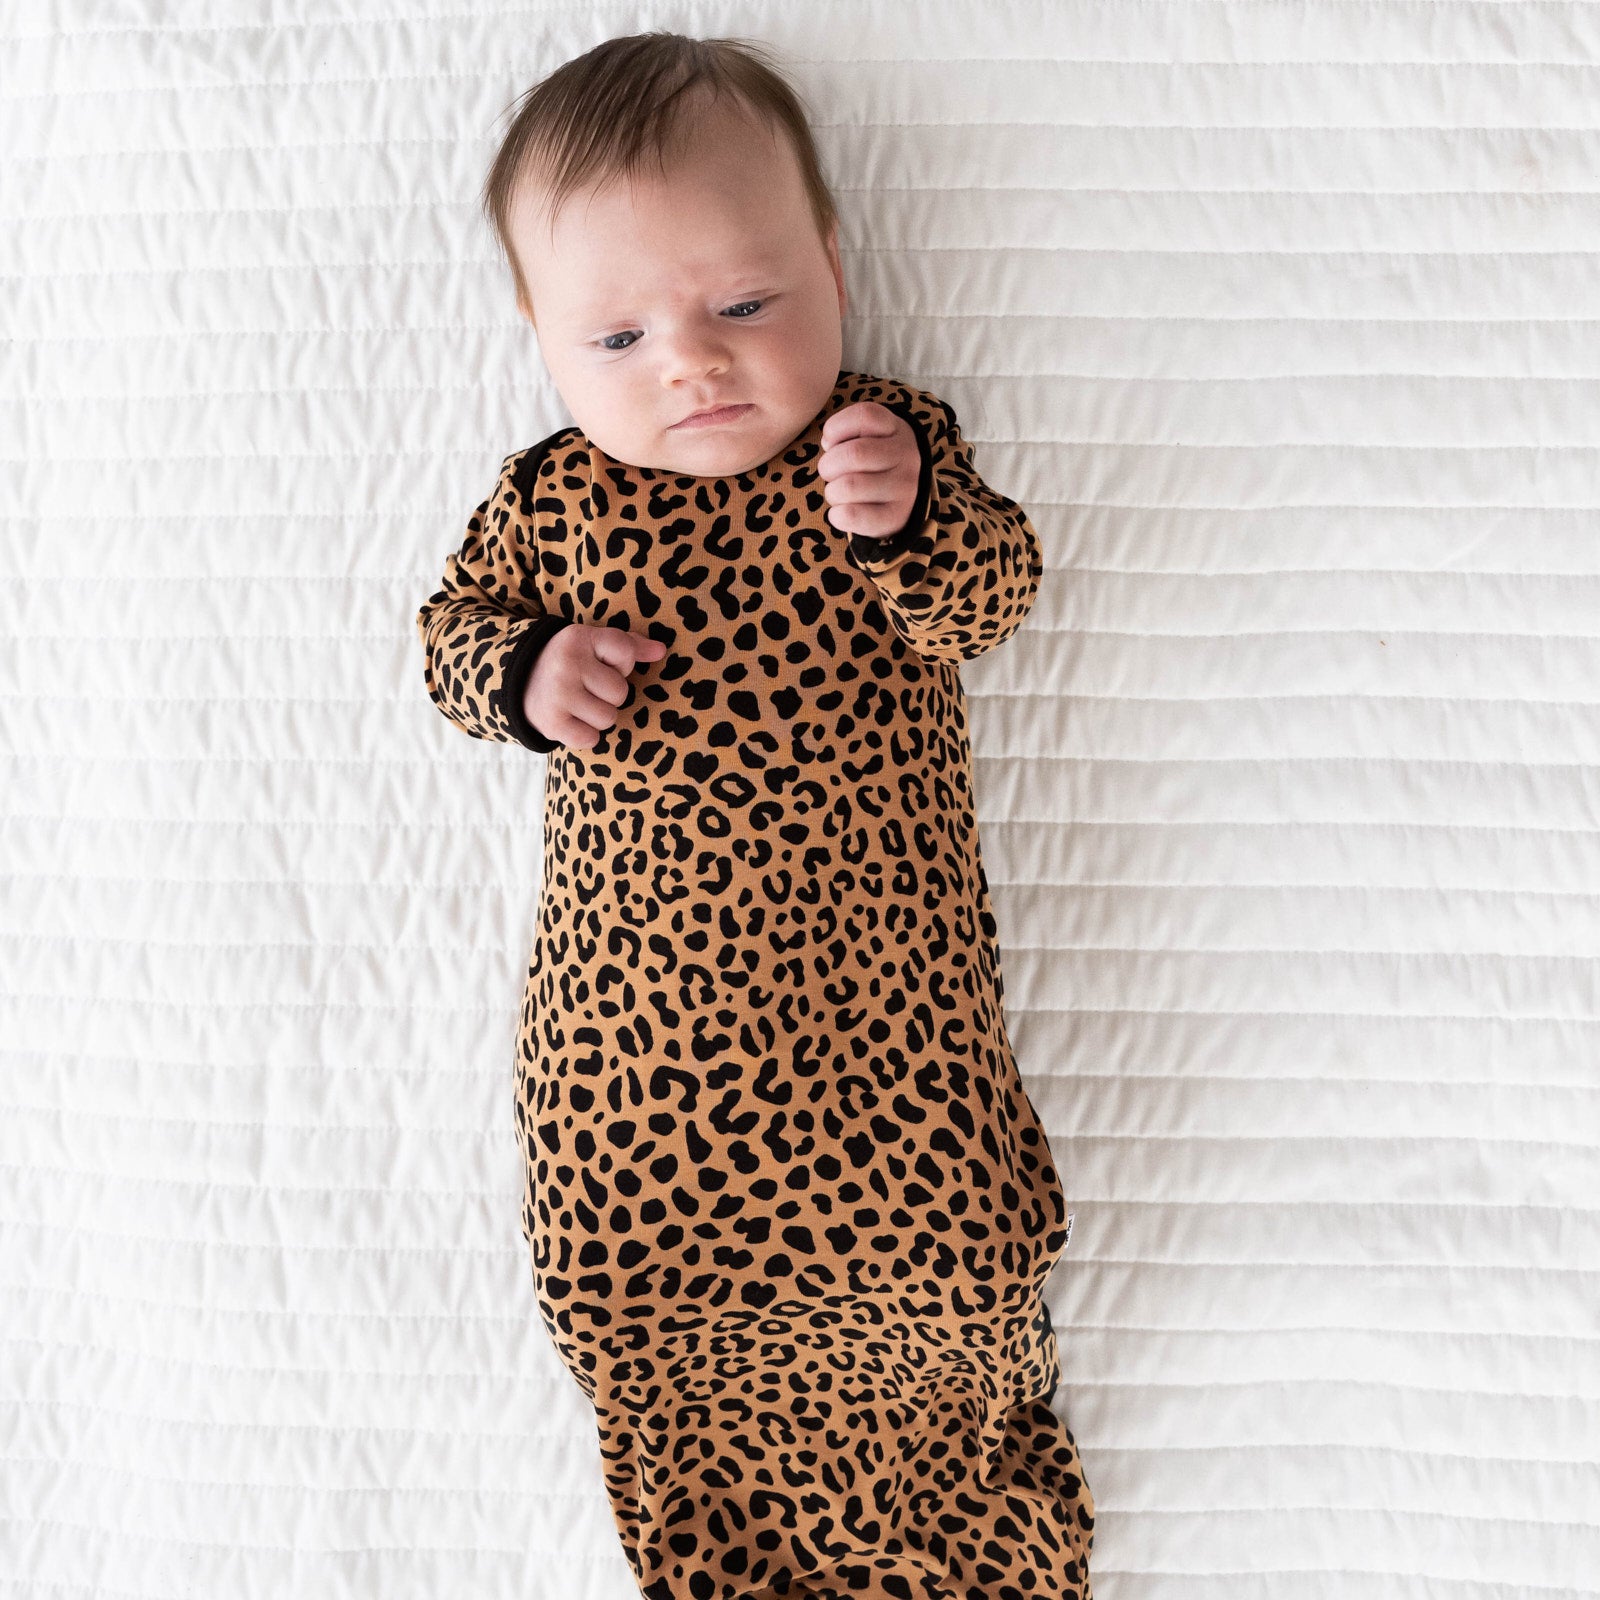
789	1207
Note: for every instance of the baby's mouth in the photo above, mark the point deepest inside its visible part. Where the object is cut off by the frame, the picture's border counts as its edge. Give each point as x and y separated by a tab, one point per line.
714	417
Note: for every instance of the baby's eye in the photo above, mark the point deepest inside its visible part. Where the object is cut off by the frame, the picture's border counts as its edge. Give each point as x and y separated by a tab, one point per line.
605	343
743	303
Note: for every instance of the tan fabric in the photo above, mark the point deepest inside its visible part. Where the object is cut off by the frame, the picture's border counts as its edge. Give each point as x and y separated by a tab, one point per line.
789	1206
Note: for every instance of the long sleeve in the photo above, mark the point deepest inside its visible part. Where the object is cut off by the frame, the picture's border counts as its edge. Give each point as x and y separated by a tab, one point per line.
483	628
963	573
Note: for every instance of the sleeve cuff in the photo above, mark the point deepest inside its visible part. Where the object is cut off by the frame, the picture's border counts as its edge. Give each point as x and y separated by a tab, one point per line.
514	681
874	552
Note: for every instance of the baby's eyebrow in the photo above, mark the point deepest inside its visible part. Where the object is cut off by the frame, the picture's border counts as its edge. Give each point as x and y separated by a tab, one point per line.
743	275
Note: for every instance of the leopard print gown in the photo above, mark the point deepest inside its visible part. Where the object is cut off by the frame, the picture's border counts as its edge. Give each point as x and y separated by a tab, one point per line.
788	1204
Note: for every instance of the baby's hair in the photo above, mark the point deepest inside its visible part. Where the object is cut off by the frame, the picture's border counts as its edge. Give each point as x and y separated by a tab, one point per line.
606	113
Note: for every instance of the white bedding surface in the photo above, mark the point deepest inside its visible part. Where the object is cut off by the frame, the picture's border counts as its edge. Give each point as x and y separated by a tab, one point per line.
1283	321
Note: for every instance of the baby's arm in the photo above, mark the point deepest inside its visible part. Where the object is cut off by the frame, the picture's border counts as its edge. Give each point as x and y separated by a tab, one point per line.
483	629
964	571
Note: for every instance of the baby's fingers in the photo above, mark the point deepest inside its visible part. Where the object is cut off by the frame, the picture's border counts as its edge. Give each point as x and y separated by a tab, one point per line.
874	519
586	707
602	685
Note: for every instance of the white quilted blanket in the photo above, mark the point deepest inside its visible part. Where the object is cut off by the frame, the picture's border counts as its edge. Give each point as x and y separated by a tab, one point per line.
1284	323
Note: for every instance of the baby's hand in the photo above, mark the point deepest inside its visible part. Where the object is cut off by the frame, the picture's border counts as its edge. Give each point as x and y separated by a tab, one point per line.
579	680
870	465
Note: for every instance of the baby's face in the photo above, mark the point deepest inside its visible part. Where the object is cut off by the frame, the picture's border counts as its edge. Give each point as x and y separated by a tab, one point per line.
659	297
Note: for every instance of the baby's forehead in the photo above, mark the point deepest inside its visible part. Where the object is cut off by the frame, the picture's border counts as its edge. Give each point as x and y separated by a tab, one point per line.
735	244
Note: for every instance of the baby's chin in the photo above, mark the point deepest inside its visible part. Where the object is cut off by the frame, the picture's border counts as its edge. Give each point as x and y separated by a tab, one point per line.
717	452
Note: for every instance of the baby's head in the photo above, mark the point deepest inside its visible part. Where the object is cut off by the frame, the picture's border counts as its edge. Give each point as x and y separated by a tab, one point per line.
672	240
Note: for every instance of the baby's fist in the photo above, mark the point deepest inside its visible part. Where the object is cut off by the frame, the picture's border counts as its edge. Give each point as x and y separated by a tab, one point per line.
580	679
870	465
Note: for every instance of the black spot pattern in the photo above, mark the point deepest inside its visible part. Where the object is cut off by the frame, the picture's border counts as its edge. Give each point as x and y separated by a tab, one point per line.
789	1207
